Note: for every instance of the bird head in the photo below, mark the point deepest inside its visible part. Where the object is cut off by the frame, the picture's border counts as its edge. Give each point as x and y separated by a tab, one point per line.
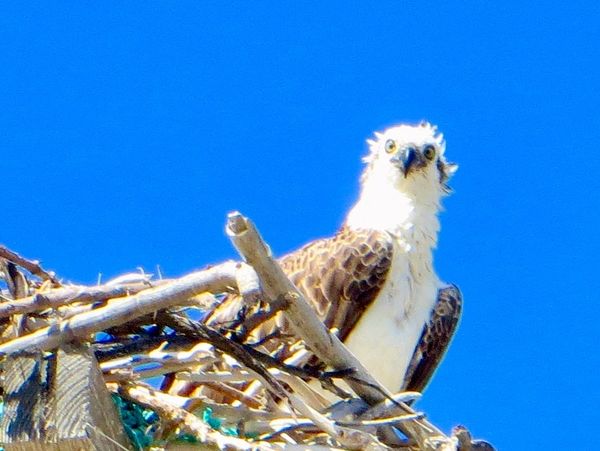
402	186
411	158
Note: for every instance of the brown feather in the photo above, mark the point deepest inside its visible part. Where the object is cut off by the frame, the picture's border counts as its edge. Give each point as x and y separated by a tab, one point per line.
435	339
339	276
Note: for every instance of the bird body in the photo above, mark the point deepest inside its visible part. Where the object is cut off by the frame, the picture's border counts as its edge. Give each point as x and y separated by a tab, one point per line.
407	210
385	337
373	282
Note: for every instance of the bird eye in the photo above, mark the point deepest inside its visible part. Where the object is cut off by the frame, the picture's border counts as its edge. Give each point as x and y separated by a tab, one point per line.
390	146
429	152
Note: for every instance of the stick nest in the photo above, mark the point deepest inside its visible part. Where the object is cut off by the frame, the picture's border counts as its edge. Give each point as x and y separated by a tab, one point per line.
181	383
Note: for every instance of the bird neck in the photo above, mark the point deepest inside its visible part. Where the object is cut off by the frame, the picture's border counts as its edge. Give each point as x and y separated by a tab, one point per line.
412	222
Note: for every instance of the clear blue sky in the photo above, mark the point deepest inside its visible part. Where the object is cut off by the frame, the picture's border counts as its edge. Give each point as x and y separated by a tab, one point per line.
129	129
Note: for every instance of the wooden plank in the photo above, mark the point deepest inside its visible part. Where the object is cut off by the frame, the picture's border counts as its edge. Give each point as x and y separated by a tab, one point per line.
25	390
59	402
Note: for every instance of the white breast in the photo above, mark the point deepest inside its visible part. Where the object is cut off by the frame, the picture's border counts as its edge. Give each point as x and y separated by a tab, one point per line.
385	337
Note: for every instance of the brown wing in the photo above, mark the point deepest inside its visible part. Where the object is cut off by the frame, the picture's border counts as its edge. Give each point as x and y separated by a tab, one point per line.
435	339
340	276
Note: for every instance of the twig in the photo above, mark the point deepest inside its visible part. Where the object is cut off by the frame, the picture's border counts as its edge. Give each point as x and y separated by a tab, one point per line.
158	362
466	442
380	421
33	266
216	279
18	287
137	345
389	407
238	375
184	325
72	294
253	321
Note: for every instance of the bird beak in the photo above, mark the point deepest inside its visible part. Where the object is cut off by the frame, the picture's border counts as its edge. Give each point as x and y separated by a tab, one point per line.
405	160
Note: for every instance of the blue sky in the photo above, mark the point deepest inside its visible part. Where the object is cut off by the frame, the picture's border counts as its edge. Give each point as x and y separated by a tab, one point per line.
129	129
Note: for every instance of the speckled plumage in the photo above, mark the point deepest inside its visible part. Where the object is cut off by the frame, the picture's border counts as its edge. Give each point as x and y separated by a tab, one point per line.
339	276
342	275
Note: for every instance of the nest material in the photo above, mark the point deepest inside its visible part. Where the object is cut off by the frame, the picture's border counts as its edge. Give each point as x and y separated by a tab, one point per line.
218	387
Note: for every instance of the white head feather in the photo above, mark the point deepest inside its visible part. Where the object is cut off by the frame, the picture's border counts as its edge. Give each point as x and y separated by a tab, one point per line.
403	183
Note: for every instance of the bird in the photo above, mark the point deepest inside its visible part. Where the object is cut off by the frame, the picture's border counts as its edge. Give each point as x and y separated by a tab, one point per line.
373	282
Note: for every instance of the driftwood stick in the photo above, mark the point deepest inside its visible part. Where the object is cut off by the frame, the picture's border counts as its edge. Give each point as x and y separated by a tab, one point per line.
216	279
72	294
307	325
33	266
123	347
466	441
248	285
297	384
389	407
18	288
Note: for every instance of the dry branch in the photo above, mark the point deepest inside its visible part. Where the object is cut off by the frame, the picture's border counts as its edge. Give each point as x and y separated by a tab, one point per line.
65	295
216	279
33	266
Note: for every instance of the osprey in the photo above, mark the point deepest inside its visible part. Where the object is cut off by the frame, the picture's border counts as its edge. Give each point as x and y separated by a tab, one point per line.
373	282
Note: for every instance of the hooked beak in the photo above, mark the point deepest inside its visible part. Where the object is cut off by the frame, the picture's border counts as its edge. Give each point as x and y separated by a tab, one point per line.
405	160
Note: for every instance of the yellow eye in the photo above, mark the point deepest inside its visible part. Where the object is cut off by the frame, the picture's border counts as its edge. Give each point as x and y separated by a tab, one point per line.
429	152
390	146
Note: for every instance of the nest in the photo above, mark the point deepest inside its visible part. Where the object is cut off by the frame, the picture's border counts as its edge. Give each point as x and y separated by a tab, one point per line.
179	382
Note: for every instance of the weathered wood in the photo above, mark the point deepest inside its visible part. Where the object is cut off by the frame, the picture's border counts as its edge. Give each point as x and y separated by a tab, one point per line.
25	392
58	402
59	297
32	266
118	311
